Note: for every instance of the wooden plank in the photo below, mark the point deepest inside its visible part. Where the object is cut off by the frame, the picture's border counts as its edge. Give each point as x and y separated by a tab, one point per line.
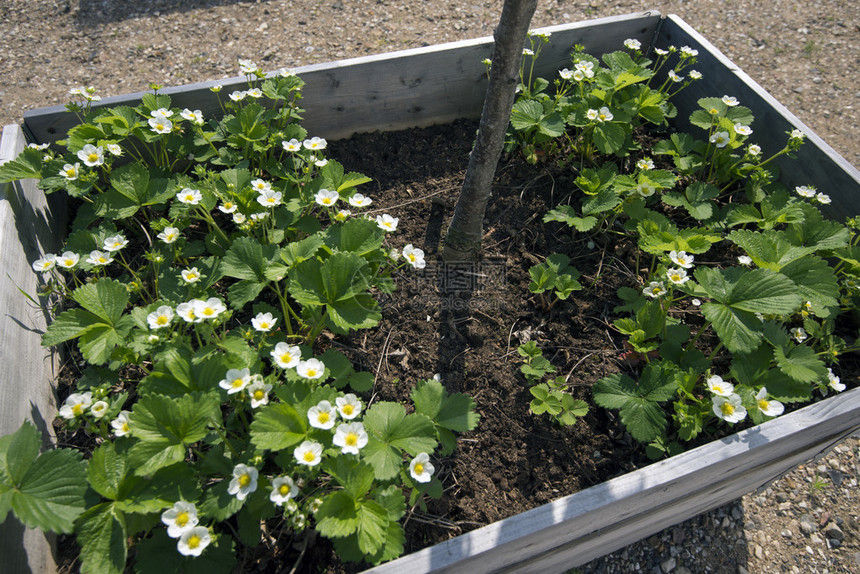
815	164
409	88
578	528
27	226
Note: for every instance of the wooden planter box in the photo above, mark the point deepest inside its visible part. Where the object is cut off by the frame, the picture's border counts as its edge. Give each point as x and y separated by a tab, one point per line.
435	85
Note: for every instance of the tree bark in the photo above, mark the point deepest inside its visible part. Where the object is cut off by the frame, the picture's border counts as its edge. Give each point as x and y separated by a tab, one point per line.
463	239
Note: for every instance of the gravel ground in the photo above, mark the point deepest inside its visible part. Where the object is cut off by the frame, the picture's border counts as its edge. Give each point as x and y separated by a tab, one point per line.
805	53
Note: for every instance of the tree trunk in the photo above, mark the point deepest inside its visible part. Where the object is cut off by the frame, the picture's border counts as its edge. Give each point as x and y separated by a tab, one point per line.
463	240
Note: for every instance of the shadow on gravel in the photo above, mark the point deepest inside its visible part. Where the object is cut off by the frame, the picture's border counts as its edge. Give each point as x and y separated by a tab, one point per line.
711	542
95	12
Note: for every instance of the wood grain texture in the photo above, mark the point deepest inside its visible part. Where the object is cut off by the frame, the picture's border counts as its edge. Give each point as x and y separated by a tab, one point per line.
27	229
578	528
399	90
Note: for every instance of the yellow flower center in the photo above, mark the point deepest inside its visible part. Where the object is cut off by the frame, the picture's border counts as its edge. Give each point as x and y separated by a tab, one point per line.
229	205
286	357
159	127
70	172
323	417
259	394
675	277
714	111
309	456
102	259
351	439
419	468
162	320
125	427
264	325
312	373
347	410
237	383
244	480
189	197
208	311
727	408
193	541
655	290
411	257
763	404
182	519
602	117
93	157
284	489
77	409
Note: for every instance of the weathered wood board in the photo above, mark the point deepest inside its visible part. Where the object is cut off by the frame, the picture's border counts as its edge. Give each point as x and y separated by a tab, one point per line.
27	229
578	528
404	89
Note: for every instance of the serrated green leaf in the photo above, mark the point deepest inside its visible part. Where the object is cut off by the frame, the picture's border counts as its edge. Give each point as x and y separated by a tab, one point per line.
50	495
372	526
738	294
166	426
337	516
101	533
107	470
358	235
106	299
817	283
277	427
801	363
390	432
218	504
246	259
354	476
609	137
298	251
18	451
28	165
641	415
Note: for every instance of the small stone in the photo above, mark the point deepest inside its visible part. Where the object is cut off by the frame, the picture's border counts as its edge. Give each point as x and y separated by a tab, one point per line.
797	90
836	477
833	531
759	553
816	539
786	533
781	497
833	543
825	517
668	565
683	570
807	524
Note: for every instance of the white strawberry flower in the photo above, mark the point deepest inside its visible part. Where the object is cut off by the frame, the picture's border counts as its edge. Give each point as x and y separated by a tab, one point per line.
180	518
263	322
283	489
421	469
91	155
386	222
326	197
286	356
235	380
160	318
244	481
322	415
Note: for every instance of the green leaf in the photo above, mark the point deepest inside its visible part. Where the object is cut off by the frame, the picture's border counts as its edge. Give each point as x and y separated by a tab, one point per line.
18	451
337	516
354	476
106	299
637	403
107	470
166	426
277	427
769	249
391	431
44	491
605	200
101	532
817	283
372	526
218	503
247	259
298	251
28	165
609	137
801	363
738	294
454	412
358	235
